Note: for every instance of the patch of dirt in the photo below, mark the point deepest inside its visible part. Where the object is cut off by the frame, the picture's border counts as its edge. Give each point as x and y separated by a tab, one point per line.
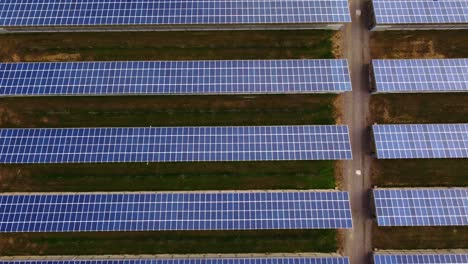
397	119
340	238
339	174
338	104
15	57
8	176
54	57
8	117
419	48
337	47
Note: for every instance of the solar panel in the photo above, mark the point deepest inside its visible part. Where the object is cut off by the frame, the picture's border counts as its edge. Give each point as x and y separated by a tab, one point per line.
420	11
427	258
421	207
193	260
426	75
421	141
232	210
174	77
174	144
170	12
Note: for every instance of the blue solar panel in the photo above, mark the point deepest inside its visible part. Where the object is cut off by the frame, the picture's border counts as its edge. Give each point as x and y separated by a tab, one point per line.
174	77
233	210
420	11
170	12
420	258
421	207
194	260
421	141
174	144
427	75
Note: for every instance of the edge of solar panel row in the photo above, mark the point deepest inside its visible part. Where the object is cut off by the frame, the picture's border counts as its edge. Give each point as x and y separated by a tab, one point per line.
420	12
40	13
420	75
175	77
287	259
420	141
420	258
421	206
174	144
158	211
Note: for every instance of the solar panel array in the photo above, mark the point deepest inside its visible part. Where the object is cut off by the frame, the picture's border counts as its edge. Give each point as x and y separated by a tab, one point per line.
421	75
174	144
383	258
174	211
421	141
210	260
174	77
170	12
420	11
421	207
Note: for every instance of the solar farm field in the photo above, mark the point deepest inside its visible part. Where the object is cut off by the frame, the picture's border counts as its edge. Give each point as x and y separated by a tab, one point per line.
416	108
140	111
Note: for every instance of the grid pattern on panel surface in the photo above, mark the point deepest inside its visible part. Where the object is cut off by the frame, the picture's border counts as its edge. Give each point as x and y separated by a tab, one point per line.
420	11
174	77
421	207
174	211
240	260
420	258
170	12
174	144
421	75
421	141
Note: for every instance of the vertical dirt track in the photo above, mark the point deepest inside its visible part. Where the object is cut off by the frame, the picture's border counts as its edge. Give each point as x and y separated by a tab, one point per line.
356	111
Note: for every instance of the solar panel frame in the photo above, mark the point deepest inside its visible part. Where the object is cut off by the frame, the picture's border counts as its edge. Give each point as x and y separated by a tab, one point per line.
209	210
174	77
40	13
420	258
421	141
421	206
420	75
420	12
174	144
191	260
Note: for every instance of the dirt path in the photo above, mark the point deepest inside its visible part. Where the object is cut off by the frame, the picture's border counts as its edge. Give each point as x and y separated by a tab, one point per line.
356	111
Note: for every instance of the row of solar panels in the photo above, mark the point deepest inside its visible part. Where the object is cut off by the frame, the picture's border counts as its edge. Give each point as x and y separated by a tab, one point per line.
244	143
174	144
41	14
228	210
175	77
158	211
422	141
227	77
421	206
378	257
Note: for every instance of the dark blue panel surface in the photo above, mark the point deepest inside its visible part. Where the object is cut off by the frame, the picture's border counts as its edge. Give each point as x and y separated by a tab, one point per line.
428	258
174	144
421	207
418	76
174	211
174	77
422	141
170	12
420	11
